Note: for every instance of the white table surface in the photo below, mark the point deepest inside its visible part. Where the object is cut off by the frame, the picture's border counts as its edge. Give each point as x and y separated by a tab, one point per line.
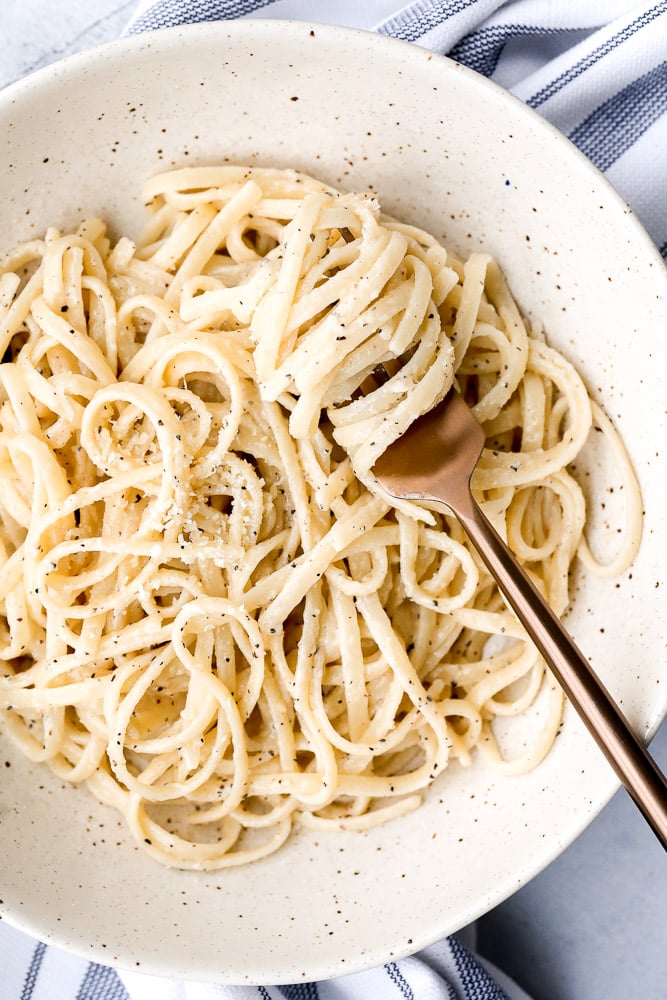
593	925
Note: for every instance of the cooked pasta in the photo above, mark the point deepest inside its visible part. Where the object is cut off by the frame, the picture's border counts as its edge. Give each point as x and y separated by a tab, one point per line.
211	614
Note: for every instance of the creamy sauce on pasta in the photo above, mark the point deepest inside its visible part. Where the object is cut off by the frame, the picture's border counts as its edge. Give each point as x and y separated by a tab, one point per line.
210	612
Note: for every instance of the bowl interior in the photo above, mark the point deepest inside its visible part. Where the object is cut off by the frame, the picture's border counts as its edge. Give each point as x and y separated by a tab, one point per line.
448	151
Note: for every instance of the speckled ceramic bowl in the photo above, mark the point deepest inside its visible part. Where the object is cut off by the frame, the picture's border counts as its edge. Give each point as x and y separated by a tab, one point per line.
444	149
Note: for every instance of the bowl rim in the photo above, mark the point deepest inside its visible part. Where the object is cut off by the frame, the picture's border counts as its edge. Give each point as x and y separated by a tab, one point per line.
189	34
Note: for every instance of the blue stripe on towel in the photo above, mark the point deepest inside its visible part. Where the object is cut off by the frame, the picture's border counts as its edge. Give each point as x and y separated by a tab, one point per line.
300	991
33	971
399	980
608	46
101	983
171	12
615	125
418	18
482	50
476	982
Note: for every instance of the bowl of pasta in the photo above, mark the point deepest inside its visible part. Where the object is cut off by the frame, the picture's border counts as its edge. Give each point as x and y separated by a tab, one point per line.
259	722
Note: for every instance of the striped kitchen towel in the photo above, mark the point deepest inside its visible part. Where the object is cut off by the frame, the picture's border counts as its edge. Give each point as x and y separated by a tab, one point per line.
447	970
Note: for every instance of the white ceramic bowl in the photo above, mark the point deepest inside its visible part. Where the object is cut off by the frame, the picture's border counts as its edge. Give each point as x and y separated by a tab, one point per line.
449	151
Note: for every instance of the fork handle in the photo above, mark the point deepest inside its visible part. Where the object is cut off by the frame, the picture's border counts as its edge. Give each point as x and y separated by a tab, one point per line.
628	756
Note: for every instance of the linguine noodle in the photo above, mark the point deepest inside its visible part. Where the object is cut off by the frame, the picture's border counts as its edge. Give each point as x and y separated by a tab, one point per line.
210	612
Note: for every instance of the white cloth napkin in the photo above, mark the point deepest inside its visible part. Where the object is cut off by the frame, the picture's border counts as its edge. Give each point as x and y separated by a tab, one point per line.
597	69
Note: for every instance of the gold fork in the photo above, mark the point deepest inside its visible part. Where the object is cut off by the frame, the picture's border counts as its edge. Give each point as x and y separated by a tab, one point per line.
434	460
